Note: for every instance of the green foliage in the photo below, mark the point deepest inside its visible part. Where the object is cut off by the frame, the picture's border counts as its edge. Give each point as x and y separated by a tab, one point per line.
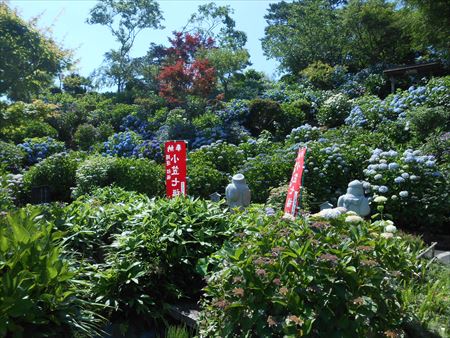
294	114
266	171
85	136
146	250
42	290
125	21
427	298
424	121
302	32
177	332
319	74
374	33
205	179
76	84
315	279
263	114
227	62
138	175
334	110
57	172
11	156
29	59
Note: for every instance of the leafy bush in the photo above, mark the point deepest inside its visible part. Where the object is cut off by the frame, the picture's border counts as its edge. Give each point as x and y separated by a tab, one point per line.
11	156
36	149
138	175
42	291
57	172
204	179
146	250
266	171
319	74
307	278
424	121
413	184
85	136
334	110
294	114
264	114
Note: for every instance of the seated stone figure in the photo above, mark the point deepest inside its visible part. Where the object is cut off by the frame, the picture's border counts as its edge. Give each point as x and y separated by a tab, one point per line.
354	199
238	193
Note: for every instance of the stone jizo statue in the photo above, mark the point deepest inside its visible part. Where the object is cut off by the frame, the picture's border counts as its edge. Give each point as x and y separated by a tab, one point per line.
238	192
354	199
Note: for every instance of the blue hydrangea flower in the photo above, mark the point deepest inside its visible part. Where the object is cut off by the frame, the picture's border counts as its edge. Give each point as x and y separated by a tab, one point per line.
399	179
383	189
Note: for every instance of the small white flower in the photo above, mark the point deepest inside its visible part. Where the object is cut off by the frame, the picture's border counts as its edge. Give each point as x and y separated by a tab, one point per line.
387	235
353	219
390	228
380	199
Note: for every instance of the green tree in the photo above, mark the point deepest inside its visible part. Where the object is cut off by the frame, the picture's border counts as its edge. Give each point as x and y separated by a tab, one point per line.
76	84
374	34
216	22
301	32
430	23
125	19
227	63
29	60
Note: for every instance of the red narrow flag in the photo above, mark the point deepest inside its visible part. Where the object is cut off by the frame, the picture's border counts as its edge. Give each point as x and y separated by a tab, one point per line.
295	185
175	158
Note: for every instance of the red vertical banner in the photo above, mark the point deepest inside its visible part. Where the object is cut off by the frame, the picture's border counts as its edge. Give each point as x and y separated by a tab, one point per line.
295	185
175	157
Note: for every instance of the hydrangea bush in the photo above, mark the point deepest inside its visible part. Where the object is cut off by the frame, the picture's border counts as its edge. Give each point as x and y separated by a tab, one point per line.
312	278
36	149
413	183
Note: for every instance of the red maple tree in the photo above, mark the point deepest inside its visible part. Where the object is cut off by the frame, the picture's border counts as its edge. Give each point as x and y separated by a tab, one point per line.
184	73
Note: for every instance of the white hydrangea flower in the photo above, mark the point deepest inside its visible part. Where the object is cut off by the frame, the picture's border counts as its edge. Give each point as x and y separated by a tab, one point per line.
353	219
390	228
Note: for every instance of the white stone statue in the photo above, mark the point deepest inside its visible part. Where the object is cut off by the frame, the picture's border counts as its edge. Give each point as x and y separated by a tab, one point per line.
238	193
354	199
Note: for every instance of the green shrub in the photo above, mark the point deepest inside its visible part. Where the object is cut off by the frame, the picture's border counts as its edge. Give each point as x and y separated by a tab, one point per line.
319	74
223	156
204	179
133	174
294	114
315	279
42	291
11	157
427	298
267	171
85	136
264	114
57	172
146	251
424	121
334	110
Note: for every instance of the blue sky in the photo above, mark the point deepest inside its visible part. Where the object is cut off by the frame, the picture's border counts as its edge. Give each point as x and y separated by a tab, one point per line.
67	22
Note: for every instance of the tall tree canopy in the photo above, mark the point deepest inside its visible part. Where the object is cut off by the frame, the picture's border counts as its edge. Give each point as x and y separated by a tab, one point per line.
374	33
354	33
125	19
430	23
29	60
302	32
216	22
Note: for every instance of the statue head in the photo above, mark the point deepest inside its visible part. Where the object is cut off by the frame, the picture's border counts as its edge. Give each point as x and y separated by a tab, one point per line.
238	179
355	188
